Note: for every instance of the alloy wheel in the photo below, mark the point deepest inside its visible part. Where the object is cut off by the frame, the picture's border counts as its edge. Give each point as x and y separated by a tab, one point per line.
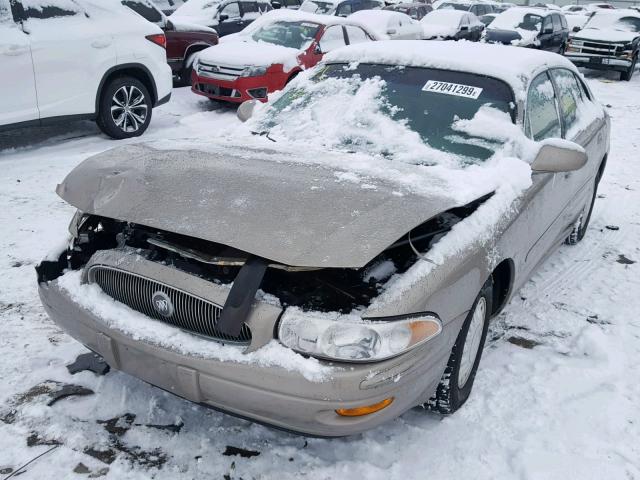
128	108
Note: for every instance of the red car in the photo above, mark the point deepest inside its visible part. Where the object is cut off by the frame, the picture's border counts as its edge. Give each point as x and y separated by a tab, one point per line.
267	54
183	40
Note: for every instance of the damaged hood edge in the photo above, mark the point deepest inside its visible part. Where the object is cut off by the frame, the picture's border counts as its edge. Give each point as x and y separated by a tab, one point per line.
294	214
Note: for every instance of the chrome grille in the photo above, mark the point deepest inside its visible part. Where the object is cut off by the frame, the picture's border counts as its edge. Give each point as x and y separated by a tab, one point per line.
597	48
221	72
189	312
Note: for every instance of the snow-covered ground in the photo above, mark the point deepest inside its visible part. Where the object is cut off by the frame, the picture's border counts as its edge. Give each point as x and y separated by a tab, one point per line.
556	395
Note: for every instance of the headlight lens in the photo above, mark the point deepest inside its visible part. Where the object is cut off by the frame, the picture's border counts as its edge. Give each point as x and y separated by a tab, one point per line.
349	338
253	71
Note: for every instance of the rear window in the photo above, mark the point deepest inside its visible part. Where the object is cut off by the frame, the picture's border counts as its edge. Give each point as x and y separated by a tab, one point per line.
43	9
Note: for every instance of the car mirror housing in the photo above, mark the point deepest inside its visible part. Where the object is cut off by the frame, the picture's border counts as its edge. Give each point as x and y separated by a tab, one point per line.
554	157
245	110
464	28
223	17
391	31
576	29
276	5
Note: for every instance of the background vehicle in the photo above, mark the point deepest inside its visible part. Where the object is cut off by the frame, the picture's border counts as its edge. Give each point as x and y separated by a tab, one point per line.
415	10
241	69
530	27
183	40
450	24
290	4
226	16
388	25
340	8
610	40
168	6
97	61
488	19
477	8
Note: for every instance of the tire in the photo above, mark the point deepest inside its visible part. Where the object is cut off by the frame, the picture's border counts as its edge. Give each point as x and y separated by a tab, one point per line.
563	48
184	79
117	95
456	383
626	76
580	228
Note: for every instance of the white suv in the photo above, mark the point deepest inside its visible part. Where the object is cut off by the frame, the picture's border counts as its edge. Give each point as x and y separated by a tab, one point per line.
67	59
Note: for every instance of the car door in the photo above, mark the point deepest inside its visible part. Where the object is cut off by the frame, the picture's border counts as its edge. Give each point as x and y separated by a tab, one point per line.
551	193
18	101
546	34
249	11
71	51
475	28
356	35
557	33
345	9
463	28
229	19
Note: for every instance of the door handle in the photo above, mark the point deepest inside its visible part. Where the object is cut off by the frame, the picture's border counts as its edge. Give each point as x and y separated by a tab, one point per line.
101	43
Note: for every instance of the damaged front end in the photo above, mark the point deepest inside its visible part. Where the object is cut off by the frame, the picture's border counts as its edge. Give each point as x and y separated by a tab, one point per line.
214	291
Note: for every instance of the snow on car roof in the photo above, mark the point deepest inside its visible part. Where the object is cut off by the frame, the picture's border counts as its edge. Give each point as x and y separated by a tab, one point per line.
515	66
378	19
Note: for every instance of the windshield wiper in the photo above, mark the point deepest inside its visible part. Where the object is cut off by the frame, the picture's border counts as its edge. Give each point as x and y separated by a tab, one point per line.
264	133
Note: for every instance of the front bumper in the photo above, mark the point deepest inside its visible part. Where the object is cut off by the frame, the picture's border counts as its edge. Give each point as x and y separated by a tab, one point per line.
270	395
598	62
239	90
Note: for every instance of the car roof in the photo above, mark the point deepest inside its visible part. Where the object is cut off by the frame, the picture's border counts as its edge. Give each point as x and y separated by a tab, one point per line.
515	66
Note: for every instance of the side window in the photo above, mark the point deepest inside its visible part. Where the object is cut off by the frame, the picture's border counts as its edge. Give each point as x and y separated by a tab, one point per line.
332	38
569	96
249	10
464	20
547	25
356	35
344	10
563	22
557	25
542	112
145	10
231	10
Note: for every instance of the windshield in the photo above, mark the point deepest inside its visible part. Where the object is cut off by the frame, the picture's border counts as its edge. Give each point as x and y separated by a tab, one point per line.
298	35
403	113
454	6
312	6
615	22
517	20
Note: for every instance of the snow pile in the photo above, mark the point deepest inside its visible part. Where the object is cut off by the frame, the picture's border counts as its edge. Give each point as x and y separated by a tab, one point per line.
139	327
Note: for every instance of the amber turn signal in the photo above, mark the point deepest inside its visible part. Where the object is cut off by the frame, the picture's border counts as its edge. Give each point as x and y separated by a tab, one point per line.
366	410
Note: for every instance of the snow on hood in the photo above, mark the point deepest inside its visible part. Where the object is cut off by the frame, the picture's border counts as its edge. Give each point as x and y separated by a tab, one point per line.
438	31
202	19
181	25
244	51
617	36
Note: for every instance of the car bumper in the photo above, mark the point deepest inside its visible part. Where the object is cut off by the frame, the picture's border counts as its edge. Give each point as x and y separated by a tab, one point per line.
599	62
270	395
240	89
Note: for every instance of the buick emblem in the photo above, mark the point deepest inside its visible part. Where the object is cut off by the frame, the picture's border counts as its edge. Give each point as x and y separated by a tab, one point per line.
162	304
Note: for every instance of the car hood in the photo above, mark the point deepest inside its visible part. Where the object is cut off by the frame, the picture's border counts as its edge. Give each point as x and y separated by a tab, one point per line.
181	25
293	213
246	52
604	35
429	30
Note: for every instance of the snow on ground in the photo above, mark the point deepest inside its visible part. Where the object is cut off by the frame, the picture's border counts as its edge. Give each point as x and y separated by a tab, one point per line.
556	395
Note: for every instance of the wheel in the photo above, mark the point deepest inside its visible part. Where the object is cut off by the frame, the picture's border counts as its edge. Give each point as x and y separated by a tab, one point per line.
125	108
629	73
455	386
580	227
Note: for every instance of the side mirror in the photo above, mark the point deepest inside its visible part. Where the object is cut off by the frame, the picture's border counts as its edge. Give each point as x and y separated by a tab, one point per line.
392	31
464	28
559	156
276	5
576	29
245	110
548	30
317	49
168	26
223	17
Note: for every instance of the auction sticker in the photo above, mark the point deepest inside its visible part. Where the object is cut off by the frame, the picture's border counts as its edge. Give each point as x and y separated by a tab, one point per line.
449	88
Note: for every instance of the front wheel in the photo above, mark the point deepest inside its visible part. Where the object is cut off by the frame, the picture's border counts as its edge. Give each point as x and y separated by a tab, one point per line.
626	76
455	386
125	108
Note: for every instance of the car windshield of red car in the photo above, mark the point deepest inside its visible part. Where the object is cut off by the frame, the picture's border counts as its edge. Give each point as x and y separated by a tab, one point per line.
298	35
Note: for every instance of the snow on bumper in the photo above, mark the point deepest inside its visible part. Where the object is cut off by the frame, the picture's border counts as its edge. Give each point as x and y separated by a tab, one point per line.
259	390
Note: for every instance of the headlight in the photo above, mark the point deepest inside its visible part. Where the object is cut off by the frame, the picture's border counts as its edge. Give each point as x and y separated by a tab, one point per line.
253	71
349	338
196	65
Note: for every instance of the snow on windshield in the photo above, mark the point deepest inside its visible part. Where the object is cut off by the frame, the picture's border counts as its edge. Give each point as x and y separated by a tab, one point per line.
298	35
615	21
518	19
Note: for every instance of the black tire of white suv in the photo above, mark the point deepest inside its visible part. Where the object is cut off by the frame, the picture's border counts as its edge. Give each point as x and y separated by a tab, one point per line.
125	108
629	73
